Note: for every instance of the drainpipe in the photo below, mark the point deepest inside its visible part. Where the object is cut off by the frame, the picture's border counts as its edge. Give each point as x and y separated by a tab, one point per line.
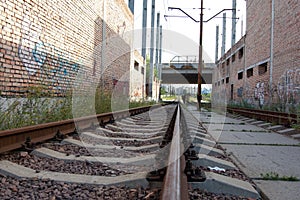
272	49
103	43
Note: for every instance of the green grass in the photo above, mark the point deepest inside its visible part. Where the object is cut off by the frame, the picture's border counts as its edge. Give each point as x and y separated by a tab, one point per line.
39	107
169	98
275	177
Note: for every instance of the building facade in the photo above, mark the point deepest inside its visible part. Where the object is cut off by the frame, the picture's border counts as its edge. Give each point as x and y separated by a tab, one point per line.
263	68
56	45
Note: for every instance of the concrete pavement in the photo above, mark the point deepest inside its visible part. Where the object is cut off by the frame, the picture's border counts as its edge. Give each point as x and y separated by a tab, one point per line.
257	151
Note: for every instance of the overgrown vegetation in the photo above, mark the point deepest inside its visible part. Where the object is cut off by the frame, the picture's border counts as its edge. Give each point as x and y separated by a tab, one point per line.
39	107
275	177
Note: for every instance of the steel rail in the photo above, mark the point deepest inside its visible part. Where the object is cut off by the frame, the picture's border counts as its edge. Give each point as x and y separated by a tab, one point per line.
15	138
271	116
175	185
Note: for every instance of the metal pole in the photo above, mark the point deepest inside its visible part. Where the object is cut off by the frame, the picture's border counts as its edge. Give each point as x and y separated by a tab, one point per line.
151	49
272	49
157	42
224	34
233	22
199	96
131	5
217	44
160	50
103	46
144	30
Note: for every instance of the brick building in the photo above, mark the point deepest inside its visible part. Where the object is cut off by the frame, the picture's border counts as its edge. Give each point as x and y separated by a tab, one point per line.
263	68
56	44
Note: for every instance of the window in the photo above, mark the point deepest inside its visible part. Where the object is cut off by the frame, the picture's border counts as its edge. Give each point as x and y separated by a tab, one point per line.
241	53
136	65
223	81
249	72
218	83
227	79
142	70
240	75
263	68
233	58
227	61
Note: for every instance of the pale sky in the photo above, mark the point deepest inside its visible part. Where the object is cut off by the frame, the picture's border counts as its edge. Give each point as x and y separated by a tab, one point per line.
189	28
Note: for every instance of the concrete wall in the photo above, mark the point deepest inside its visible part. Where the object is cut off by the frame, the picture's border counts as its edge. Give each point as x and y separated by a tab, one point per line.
45	43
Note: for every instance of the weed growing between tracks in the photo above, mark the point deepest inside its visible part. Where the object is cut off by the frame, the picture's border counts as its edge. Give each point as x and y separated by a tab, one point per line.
39	107
275	177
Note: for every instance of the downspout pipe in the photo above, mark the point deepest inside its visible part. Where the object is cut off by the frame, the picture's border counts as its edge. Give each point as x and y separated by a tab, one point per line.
272	49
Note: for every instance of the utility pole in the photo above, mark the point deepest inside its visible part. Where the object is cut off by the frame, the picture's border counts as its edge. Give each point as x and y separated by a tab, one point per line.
199	96
144	30
151	50
160	50
217	44
224	34
131	5
157	42
233	23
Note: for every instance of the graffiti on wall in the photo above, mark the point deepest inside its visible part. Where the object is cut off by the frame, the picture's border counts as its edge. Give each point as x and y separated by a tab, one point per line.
288	86
45	59
31	51
259	93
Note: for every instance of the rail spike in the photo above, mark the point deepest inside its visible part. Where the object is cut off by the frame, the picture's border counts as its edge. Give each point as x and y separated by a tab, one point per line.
28	145
59	136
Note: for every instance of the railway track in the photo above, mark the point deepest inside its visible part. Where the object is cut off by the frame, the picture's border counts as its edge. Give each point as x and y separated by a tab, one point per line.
286	119
163	153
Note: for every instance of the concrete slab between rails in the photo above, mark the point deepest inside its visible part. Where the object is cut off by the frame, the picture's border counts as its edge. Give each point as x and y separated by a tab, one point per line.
143	126
95	136
276	127
199	130
249	120
145	160
116	128
207	150
8	168
264	125
286	131
257	122
208	161
151	147
296	136
246	119
133	121
220	184
278	190
204	141
138	135
198	134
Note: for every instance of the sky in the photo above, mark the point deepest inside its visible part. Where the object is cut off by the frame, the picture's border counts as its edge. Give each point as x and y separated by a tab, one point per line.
191	29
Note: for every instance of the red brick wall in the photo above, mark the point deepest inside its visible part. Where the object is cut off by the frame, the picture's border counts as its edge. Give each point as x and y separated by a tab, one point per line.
46	44
225	76
283	89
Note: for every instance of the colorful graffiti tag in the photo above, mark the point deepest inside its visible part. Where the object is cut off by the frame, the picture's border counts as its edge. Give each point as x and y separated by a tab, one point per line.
57	65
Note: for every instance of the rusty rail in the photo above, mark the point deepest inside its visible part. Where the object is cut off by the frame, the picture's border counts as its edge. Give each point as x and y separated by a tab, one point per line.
271	116
175	184
15	138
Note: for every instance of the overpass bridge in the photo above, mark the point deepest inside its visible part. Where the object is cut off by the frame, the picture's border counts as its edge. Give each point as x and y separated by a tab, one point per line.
183	70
